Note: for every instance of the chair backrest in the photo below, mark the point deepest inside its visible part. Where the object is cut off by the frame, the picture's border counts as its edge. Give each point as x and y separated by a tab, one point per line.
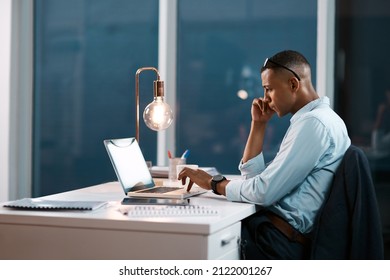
349	225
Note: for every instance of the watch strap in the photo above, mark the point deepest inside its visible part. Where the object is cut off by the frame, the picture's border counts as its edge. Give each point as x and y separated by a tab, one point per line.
214	185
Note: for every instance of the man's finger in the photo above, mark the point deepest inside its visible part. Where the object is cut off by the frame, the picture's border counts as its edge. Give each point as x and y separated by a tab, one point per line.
189	186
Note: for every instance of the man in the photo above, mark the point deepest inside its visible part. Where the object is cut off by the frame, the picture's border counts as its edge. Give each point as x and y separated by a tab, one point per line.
292	188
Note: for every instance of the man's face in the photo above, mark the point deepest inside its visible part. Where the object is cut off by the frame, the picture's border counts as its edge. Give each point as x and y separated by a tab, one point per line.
277	91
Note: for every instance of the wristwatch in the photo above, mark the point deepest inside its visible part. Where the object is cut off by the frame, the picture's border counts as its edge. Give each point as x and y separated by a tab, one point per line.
214	181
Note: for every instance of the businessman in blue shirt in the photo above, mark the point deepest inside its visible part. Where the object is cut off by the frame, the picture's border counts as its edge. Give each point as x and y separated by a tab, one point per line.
291	189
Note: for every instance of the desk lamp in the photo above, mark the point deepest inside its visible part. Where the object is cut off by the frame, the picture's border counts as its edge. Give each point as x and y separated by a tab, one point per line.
158	114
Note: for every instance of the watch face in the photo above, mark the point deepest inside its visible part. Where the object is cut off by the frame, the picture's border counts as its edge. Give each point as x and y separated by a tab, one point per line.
217	178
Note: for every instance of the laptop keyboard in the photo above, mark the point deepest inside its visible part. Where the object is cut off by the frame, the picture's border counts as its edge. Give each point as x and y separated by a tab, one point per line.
160	190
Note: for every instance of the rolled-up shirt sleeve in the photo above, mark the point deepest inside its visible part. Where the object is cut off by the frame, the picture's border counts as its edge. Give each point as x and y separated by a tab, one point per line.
252	167
249	169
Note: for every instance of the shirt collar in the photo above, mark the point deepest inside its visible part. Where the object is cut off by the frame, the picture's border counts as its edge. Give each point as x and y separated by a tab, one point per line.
309	107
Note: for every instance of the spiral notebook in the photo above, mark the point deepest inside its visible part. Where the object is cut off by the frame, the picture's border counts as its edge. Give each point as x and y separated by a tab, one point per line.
42	204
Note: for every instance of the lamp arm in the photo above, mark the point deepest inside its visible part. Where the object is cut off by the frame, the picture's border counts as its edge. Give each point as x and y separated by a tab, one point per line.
137	96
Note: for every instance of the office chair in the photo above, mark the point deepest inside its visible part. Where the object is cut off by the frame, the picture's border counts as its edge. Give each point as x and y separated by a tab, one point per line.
348	225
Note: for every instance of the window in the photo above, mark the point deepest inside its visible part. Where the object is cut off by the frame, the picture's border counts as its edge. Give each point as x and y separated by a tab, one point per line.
221	47
86	56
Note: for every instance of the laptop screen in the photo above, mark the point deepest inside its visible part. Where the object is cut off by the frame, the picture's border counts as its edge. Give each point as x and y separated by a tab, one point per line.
129	164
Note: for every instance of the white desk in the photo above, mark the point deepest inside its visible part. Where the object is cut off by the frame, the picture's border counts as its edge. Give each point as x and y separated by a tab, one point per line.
106	233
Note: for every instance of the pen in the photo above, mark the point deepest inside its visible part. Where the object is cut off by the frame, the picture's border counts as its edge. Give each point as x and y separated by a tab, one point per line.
169	154
185	154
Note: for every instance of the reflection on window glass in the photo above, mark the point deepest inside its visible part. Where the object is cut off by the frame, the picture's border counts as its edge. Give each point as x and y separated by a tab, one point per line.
363	89
86	56
221	47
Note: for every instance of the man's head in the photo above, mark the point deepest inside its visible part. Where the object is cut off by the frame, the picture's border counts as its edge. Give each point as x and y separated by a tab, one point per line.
286	79
288	60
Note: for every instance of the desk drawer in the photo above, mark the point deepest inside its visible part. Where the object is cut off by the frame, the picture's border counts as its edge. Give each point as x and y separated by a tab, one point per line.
224	244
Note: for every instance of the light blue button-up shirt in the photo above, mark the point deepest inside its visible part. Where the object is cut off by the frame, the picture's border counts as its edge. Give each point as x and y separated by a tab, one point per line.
295	183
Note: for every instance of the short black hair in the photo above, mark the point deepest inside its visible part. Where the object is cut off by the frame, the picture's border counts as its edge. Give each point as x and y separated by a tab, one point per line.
287	58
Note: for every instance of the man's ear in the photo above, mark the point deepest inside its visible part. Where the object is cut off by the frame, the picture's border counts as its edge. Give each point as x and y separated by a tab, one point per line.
294	84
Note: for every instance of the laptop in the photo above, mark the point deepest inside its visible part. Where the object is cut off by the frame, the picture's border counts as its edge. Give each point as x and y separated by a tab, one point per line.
134	175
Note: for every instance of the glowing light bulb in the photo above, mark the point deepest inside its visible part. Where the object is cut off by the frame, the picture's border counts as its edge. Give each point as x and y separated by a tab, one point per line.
158	115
